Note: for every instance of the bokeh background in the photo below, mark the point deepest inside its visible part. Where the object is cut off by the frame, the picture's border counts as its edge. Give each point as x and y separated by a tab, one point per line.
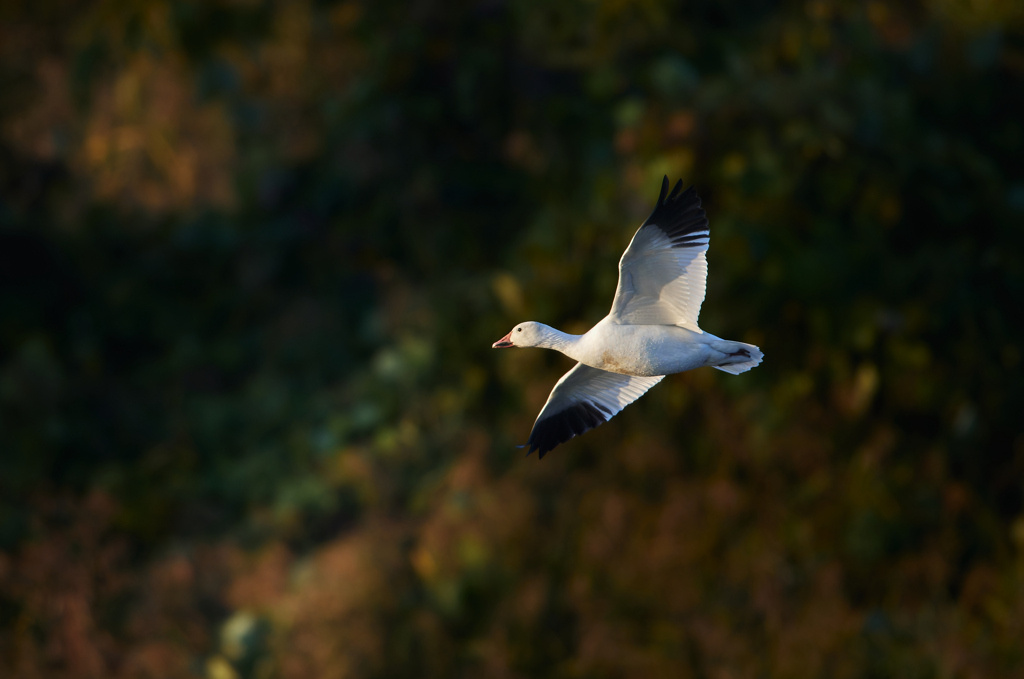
253	254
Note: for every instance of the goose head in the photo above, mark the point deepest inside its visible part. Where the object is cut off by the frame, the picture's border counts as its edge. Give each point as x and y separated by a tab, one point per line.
528	334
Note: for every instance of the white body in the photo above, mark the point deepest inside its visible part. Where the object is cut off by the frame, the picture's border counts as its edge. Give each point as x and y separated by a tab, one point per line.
647	350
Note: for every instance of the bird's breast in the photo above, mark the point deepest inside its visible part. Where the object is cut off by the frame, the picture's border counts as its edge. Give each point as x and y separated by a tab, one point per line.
624	353
614	362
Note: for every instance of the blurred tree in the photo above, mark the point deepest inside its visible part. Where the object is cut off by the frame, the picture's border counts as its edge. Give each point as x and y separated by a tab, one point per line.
253	253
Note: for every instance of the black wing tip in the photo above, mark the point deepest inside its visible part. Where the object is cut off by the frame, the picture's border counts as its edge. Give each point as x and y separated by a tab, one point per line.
675	192
665	198
553	431
678	213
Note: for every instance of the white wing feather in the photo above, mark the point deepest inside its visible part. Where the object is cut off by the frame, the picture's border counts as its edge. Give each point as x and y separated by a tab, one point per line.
663	273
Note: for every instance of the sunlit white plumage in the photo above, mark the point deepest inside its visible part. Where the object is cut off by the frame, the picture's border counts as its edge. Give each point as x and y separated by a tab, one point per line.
651	330
662	278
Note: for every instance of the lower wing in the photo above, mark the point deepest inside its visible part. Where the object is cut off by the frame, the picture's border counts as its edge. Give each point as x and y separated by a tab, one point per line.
584	398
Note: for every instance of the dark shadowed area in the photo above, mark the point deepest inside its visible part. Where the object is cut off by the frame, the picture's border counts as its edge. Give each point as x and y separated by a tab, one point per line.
254	253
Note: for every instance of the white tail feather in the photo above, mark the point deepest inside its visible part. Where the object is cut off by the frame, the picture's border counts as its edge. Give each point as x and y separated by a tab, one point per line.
749	357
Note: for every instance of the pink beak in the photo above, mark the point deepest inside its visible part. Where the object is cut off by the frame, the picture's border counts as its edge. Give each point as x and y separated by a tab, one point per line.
504	343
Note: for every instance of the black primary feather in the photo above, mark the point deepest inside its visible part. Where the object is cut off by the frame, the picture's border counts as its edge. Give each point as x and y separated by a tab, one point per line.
679	216
564	425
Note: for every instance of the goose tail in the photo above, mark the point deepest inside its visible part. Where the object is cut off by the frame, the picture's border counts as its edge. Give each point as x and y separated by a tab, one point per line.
737	357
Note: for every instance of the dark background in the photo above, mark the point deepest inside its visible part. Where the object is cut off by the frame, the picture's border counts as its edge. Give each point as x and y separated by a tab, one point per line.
253	254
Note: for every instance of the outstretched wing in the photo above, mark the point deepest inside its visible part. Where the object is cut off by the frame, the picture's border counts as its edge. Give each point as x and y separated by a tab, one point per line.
584	398
662	274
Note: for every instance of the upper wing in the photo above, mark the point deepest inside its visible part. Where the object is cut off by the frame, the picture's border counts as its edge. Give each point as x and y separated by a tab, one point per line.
584	398
662	273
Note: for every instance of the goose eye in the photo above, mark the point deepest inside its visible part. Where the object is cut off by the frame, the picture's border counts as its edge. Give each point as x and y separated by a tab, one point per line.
519	329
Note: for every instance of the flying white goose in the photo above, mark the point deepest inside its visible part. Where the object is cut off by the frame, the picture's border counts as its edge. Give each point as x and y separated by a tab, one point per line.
650	332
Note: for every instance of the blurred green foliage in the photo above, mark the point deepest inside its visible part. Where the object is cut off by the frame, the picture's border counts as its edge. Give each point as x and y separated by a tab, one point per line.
253	254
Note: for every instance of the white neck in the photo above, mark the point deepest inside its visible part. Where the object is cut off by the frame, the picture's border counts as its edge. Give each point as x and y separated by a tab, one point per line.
559	341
